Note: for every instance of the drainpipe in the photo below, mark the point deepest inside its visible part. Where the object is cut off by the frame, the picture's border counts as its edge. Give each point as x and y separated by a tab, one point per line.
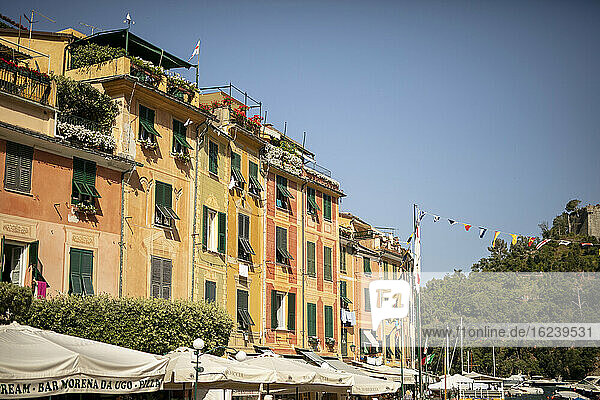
122	233
302	191
196	202
263	331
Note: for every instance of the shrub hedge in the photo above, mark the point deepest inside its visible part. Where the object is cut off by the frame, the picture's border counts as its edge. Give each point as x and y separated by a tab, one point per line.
15	302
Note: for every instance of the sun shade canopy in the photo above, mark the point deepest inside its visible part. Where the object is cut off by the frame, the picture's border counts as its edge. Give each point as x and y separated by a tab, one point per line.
137	47
39	363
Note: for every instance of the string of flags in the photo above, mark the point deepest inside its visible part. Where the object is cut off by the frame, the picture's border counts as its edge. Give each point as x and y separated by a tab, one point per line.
531	240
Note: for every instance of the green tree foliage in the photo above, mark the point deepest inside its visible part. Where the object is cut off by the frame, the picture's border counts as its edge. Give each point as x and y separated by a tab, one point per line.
14	302
152	325
91	53
80	99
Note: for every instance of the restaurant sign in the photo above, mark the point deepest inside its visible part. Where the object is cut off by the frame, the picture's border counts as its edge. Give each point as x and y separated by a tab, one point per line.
78	384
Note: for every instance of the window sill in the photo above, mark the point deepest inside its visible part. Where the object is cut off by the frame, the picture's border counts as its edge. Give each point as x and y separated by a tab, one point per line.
169	227
283	265
17	192
286	210
213	175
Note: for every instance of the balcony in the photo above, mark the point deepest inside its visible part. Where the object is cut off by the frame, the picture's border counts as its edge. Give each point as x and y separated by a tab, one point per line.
19	80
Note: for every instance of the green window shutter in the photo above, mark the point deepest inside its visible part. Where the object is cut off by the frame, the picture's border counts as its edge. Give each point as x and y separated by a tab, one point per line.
2	254
327	273
342	258
343	289
155	276
291	322
205	226
168	196
310	259
213	157
87	263
328	321
327	207
367	265
75	282
253	169
12	167
159	193
367	300
274	309
90	172
79	173
210	291
33	253
236	160
311	312
167	270
222	239
385	270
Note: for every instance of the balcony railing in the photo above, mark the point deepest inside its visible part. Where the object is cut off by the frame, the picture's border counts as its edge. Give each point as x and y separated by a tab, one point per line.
25	83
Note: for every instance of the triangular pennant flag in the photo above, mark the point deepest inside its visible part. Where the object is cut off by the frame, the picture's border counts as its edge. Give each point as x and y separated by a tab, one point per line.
564	242
421	215
195	52
586	244
531	240
495	237
467	227
452	222
436	218
514	238
409	238
482	232
540	244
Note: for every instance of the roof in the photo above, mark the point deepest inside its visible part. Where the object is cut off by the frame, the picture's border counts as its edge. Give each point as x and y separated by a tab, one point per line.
137	47
9	53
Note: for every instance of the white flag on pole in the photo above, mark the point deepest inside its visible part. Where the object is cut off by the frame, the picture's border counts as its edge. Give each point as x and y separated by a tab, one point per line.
195	52
417	260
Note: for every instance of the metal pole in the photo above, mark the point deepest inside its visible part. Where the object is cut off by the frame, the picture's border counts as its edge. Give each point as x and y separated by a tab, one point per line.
197	353
402	358
418	306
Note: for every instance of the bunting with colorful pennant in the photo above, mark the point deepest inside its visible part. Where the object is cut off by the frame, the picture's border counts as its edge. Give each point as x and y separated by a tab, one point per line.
467	227
496	234
540	244
451	221
514	238
482	232
564	242
436	218
531	240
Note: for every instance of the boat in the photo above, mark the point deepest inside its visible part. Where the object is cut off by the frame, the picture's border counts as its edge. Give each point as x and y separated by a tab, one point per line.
524	388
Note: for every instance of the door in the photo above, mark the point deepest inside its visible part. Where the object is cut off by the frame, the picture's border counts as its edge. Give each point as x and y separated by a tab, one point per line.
12	257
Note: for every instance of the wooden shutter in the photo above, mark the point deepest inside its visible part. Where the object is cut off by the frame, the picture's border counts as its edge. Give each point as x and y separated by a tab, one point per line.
367	300
155	276
87	265
274	309
236	160
11	172
79	174
167	268
213	151
75	283
366	265
343	290
327	273
33	253
342	258
210	291
344	342
242	299
222	227
310	258
1	255
311	311
253	169
291	314
90	172
25	164
327	207
328	321
205	226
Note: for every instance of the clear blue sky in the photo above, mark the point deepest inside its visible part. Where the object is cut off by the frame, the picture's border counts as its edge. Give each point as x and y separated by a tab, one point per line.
487	112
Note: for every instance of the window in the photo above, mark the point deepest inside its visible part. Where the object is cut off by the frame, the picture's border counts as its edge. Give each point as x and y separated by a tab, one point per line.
327	270
311	206
344	300
163	193
147	133
244	319
385	270
17	173
311	316
342	259
180	144
283	194
291	311
326	207
344	343
278	314
255	186
80	276
84	182
214	223
311	259
367	265
367	300
210	291
236	170
328	322
12	260
213	158
282	256
160	277
245	251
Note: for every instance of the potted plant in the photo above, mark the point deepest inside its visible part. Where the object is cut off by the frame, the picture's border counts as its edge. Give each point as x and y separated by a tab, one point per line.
148	145
182	156
85	208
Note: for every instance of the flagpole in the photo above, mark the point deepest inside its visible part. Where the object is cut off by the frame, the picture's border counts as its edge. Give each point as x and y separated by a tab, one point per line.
198	65
416	227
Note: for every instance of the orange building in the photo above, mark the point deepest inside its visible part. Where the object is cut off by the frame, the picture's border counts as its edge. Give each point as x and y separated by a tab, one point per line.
60	214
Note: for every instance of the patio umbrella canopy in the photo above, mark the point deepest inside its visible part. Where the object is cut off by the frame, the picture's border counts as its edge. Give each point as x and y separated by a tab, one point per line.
218	371
305	377
365	385
37	363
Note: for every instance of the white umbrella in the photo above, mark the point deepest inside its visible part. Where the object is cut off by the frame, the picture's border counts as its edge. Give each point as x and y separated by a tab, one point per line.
227	373
455	381
39	363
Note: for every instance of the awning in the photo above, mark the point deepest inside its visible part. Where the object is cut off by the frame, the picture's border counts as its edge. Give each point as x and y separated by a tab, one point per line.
245	243
284	191
237	175
313	204
218	371
255	183
371	338
285	254
311	356
39	363
392	373
167	212
181	140
364	385
149	127
137	47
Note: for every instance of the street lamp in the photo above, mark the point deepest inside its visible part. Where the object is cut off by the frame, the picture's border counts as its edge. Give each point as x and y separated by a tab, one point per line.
198	345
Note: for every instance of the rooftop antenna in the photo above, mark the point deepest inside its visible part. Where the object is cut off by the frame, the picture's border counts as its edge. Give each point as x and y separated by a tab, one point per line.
284	128
92	27
31	21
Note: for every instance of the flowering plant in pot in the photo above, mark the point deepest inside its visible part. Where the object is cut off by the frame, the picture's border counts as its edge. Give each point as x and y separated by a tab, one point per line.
86	208
182	156
148	144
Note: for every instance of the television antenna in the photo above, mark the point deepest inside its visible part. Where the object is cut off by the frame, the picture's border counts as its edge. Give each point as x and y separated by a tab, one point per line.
31	21
92	27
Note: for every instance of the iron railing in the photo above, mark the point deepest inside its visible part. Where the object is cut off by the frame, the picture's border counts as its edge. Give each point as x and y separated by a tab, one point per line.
24	83
318	168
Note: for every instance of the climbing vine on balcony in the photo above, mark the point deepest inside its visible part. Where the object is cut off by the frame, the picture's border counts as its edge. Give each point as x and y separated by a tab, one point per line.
92	53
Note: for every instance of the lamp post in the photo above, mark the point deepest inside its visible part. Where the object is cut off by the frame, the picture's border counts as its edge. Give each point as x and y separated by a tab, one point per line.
198	346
